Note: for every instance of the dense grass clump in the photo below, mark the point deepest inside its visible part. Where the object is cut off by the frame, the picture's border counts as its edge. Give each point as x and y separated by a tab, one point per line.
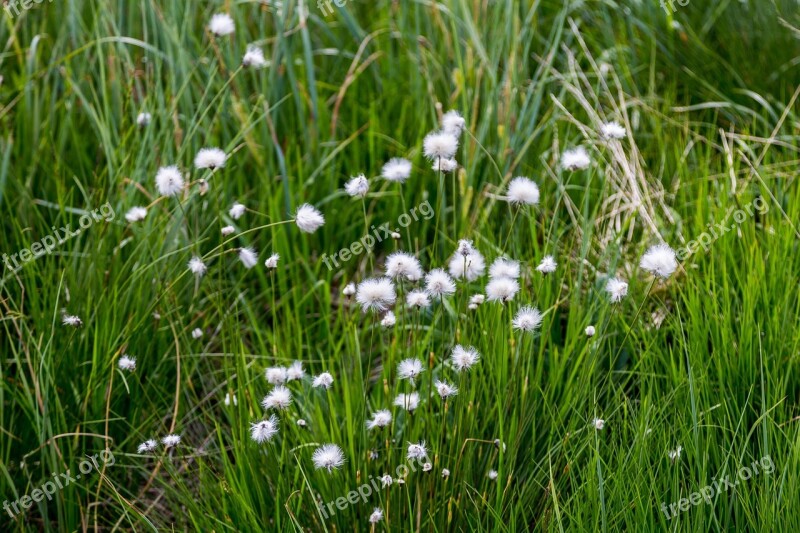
257	276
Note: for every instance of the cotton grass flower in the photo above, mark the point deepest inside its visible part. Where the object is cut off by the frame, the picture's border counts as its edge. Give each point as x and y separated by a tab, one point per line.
403	265
612	130
171	441
467	263
477	299
598	423
254	57
227	230
575	159
427	467
410	369
388	320
453	123
357	187
589	331
230	399
324	380
503	268
616	289
265	430
328	456
349	289
279	398
248	257
221	24
492	475
127	363
409	402
376	516
376	294
464	358
71	320
445	473
169	181
272	261
445	389
675	454
143	119
659	260
197	267
147	446
438	283
197	333
135	214
444	165
527	319
237	210
417	298
501	290
548	265
211	158
308	218
439	145
521	191
295	371
397	170
416	451
380	419
386	481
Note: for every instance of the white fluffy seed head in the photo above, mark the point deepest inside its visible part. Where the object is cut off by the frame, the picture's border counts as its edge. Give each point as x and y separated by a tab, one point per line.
265	430
197	333
237	210
439	145
659	260
169	181
279	398
143	119
308	218
439	283
598	423
403	265
612	130
396	169
212	158
221	24
376	516
276	375
248	257
501	290
380	419
453	123
464	358
295	371
328	456
349	289
410	369
444	165
170	441
469	265
357	187
376	294
616	289
135	214
197	267
575	159
417	298
409	402
416	451
227	230
254	57
272	261
324	380
71	320
127	362
492	475
527	319
548	265
590	331
445	389
503	268
147	446
522	190
388	320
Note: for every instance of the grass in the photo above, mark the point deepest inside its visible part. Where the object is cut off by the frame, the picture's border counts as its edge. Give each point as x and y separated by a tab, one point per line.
706	360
